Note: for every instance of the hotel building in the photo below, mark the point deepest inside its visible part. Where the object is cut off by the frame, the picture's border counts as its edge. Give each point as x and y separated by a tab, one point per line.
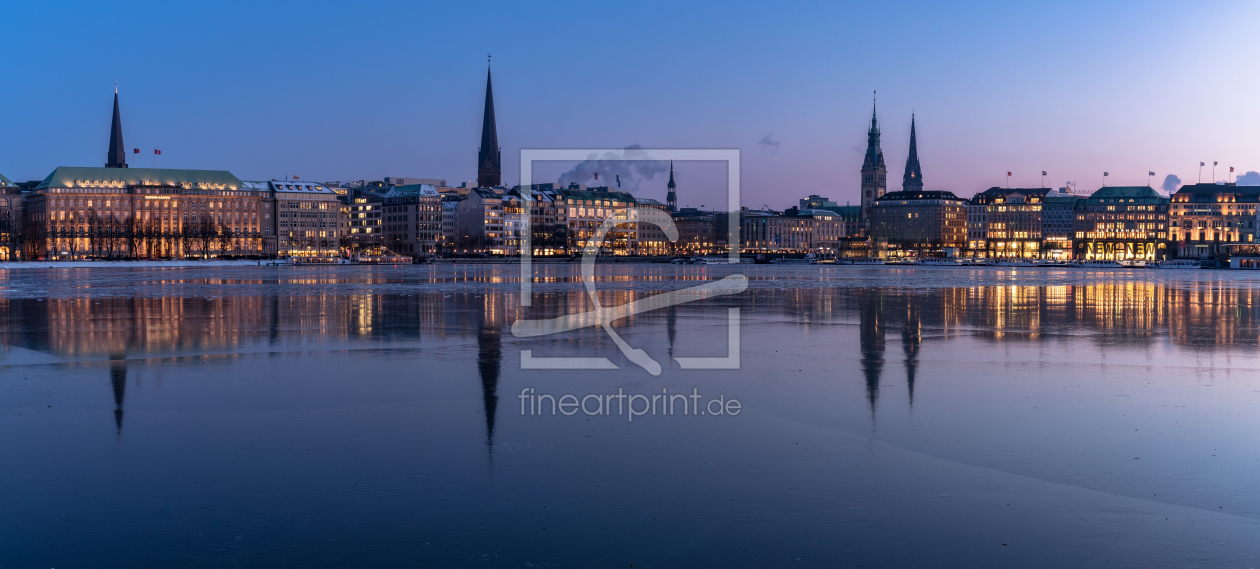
1204	218
1124	222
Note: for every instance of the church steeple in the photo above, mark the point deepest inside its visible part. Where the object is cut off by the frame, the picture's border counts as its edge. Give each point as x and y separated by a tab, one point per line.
874	171
671	199
913	178
117	156
489	167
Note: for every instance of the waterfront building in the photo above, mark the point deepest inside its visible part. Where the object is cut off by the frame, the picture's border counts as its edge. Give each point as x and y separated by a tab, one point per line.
142	213
10	220
793	231
513	223
450	212
697	231
489	165
828	229
413	220
547	227
364	220
1204	218
652	239
1006	223
920	220
479	223
299	219
1122	222
1058	215
586	209
851	215
874	171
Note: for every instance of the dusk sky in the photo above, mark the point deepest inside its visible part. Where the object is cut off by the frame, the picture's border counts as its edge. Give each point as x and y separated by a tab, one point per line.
342	91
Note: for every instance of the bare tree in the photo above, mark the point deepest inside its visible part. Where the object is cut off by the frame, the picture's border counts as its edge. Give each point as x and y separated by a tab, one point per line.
225	237
205	235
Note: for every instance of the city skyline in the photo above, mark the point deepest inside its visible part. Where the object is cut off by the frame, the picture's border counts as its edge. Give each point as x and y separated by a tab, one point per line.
800	128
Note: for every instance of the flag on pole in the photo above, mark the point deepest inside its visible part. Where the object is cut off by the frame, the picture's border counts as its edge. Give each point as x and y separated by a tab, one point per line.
295	177
597	176
1106	173
1231	168
1150	173
1214	162
135	150
1202	164
619	179
156	151
1043	172
1008	173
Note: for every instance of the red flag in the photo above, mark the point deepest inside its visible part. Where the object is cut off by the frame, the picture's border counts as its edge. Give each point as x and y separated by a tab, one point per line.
156	151
135	150
597	175
295	177
1231	168
1008	173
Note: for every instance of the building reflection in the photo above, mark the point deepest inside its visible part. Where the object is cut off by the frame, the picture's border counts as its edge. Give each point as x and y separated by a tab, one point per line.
118	381
911	339
871	341
1202	315
490	360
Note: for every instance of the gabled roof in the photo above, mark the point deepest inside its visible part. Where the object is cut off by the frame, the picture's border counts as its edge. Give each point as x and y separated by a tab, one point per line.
5	181
83	177
288	187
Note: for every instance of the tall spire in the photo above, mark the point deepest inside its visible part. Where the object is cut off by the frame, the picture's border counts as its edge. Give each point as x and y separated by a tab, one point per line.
912	180
489	168
671	199
117	156
874	171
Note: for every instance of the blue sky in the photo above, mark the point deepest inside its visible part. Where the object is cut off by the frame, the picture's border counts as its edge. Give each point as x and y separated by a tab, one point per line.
339	90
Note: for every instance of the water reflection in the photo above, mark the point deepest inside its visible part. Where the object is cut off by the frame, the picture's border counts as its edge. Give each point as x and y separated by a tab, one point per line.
489	360
1195	316
118	380
871	340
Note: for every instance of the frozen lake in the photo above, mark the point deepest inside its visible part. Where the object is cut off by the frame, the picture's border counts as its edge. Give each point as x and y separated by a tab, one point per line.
341	416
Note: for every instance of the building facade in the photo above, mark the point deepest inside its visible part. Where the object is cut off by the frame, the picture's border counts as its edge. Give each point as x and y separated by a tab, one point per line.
479	223
1124	222
10	220
924	221
412	220
364	212
1205	218
142	213
1006	223
299	219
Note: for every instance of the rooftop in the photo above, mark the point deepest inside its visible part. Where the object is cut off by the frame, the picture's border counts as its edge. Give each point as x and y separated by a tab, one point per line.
288	187
88	177
412	190
5	181
918	195
1125	192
